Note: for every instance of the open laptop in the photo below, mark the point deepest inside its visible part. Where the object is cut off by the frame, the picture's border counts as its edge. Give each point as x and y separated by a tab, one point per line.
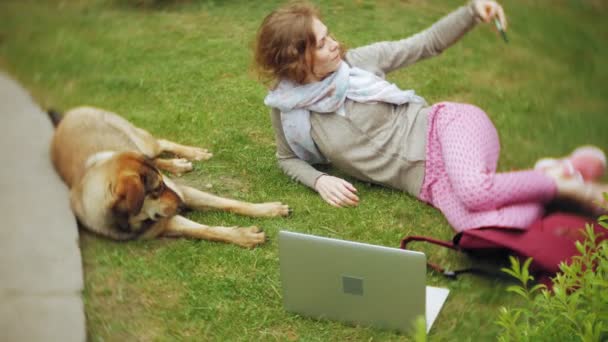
356	283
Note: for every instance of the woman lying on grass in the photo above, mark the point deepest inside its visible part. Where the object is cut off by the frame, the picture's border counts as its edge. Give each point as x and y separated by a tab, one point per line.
332	106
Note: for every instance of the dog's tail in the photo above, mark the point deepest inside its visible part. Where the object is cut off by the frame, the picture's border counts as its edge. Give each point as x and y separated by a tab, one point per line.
55	116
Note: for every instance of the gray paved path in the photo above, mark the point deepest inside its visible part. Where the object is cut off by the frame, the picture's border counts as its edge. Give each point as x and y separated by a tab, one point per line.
41	278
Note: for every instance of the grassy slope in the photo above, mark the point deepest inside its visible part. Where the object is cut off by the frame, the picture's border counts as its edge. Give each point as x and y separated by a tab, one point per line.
181	72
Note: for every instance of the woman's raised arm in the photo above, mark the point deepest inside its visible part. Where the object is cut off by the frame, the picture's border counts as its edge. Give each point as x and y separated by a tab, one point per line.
386	56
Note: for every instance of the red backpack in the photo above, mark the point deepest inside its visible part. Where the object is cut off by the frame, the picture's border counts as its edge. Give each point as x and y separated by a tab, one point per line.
549	241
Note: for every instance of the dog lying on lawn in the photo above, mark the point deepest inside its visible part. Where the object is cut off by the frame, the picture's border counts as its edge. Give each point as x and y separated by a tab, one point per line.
117	190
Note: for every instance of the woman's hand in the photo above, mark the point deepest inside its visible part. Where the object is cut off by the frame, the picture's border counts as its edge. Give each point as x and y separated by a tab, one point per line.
336	191
488	10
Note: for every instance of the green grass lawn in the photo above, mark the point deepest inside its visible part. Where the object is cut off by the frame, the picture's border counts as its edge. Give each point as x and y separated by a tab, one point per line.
182	71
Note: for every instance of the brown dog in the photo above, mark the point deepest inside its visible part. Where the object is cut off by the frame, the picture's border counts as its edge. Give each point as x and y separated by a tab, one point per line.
116	189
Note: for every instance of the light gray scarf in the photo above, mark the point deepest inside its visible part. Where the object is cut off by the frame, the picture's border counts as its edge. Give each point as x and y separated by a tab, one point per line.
328	96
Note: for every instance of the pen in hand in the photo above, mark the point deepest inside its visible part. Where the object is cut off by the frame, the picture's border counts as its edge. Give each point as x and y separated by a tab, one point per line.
501	30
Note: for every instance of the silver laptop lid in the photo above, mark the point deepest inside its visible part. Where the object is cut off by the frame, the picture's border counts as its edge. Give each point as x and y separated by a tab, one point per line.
352	282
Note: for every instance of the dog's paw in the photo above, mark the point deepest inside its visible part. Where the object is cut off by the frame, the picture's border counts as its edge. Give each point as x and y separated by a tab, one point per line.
180	165
250	237
272	209
197	153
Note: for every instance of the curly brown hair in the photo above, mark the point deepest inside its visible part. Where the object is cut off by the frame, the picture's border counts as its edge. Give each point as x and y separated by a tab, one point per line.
285	43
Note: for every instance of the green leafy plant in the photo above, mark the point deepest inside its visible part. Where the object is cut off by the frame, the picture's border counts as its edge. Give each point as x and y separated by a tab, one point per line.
576	310
419	333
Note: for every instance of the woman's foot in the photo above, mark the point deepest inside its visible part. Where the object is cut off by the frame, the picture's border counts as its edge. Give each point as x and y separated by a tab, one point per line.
586	162
571	186
596	201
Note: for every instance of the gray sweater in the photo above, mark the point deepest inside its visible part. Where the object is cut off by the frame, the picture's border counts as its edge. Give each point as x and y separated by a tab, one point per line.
377	142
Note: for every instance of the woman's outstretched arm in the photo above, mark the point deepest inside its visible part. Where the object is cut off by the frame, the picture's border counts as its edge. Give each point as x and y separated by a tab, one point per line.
386	56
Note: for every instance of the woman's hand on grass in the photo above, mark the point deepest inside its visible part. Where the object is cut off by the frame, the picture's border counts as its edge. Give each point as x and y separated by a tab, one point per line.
488	10
336	191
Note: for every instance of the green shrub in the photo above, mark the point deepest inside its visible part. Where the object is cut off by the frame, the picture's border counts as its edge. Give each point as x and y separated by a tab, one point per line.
576	310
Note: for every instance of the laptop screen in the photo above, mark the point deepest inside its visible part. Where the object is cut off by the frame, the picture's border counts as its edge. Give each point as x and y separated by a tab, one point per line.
352	282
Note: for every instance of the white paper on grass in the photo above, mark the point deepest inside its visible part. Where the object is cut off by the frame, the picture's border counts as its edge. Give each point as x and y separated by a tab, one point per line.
435	297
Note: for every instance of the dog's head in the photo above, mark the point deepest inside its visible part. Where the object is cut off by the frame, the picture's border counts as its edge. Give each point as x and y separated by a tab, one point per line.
140	195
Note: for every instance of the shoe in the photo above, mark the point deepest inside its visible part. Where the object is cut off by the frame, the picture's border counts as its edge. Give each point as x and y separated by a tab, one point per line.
590	161
587	163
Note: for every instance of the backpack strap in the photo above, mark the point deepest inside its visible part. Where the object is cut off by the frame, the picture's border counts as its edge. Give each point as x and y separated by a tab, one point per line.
451	245
436	267
408	239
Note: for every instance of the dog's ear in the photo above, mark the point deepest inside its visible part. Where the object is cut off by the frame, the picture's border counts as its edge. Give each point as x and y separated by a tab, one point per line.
130	195
152	180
